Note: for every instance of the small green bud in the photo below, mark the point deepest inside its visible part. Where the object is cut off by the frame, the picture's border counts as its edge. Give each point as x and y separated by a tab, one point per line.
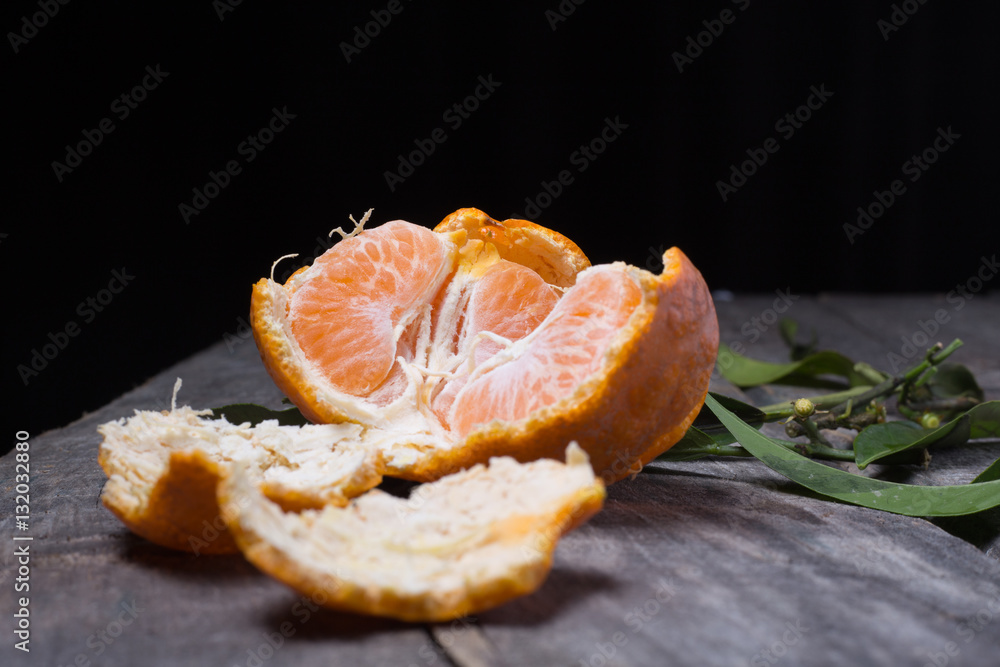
803	407
878	409
930	420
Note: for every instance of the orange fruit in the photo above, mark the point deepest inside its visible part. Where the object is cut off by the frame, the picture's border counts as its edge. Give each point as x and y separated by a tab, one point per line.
463	544
485	338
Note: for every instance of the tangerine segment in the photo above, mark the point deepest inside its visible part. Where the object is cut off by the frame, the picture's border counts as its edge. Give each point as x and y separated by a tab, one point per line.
463	544
345	313
567	347
163	469
546	252
508	301
651	385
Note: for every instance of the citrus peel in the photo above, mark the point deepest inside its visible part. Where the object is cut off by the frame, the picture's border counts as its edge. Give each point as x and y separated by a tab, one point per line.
163	469
486	338
465	357
463	544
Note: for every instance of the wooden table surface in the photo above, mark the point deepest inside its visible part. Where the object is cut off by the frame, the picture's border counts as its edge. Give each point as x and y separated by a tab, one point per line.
715	562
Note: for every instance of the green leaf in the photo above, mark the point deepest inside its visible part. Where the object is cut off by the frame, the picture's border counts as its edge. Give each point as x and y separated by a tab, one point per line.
952	380
694	438
746	372
878	440
789	329
709	425
904	499
238	413
984	420
874	446
991	473
748	413
697	444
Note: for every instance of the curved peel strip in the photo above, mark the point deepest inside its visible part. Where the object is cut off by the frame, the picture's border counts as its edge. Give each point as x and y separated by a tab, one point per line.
163	469
460	545
546	252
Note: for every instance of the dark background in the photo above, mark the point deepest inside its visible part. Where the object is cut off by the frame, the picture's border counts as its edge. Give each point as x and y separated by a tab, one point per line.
653	187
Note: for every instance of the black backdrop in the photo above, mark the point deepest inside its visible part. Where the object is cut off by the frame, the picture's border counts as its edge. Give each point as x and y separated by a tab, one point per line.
683	94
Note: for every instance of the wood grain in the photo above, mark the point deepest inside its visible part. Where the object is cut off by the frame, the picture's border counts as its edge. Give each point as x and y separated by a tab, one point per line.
719	562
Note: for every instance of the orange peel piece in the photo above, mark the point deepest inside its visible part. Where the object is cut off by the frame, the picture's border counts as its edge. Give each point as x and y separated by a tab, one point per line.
547	252
163	470
465	543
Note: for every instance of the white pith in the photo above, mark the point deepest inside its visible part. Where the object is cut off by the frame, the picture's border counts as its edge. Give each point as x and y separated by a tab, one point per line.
316	458
472	529
407	424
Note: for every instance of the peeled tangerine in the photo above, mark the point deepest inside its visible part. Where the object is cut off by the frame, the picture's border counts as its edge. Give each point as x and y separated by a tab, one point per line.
425	355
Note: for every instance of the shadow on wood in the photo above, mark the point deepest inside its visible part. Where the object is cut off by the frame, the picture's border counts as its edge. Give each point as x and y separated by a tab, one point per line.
187	566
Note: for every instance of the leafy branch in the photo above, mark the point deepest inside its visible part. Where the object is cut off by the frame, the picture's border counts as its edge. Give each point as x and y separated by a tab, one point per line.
941	403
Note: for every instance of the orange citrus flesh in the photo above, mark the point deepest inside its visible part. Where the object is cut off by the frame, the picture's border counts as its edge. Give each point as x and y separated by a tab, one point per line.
509	301
344	318
564	350
487	338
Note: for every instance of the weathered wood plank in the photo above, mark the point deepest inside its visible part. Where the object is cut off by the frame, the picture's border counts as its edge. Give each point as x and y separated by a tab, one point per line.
688	569
894	321
876	329
741	569
90	575
707	562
